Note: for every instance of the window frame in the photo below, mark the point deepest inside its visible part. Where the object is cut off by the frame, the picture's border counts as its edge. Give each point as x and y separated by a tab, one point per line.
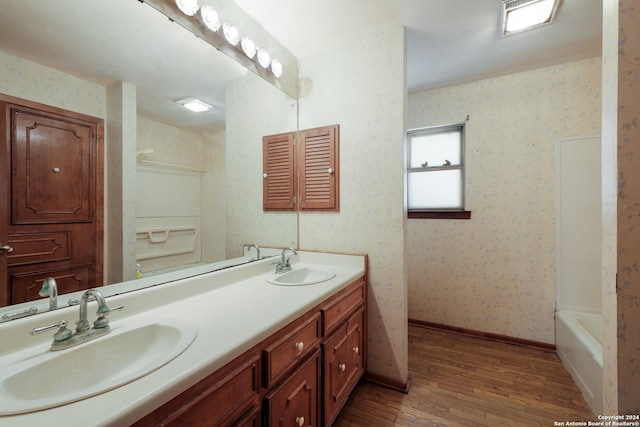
439	213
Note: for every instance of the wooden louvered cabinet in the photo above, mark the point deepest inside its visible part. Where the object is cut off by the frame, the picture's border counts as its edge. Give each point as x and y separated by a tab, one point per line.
278	164
318	170
315	163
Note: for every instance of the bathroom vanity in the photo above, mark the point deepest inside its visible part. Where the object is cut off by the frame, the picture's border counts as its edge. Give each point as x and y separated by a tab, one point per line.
264	354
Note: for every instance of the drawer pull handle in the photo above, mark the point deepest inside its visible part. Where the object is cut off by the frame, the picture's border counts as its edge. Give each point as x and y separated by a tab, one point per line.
299	346
356	350
300	421
342	367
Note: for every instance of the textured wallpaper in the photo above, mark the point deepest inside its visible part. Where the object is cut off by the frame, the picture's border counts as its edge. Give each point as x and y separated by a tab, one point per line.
609	205
25	79
361	88
172	145
496	272
628	208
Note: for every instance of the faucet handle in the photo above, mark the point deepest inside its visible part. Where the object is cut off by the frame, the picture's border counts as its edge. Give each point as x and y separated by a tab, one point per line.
103	321
62	334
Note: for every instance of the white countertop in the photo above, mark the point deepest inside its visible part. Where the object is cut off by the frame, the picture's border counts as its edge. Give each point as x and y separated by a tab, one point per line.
233	310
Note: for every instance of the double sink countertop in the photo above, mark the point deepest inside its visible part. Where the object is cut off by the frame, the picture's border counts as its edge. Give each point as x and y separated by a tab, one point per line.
232	309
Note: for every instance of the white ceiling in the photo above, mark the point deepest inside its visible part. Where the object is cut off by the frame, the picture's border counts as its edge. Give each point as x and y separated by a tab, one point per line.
448	42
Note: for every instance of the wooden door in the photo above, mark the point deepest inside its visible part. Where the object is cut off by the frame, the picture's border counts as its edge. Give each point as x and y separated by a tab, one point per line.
52	187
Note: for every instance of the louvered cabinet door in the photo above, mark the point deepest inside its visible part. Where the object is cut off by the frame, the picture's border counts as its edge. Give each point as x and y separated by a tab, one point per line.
278	159
319	168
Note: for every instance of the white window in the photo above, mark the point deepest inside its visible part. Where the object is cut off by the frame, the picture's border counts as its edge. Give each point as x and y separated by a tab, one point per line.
435	169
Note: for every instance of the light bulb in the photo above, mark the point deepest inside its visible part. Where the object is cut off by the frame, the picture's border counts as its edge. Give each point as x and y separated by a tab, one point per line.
231	34
276	68
264	58
248	47
210	17
188	7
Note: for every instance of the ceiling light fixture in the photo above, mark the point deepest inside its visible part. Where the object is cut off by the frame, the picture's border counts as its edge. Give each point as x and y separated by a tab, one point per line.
188	7
210	17
195	105
521	15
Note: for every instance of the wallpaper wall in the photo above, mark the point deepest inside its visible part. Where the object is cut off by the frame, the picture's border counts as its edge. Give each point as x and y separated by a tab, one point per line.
609	205
628	208
496	272
27	80
172	145
361	87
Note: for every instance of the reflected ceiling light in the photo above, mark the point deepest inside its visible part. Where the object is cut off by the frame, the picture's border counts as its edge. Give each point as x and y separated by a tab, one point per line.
276	68
195	105
210	17
264	58
231	34
520	15
188	7
248	47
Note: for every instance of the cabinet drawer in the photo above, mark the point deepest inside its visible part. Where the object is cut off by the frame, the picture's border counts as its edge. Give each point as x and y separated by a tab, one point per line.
220	399
343	304
287	351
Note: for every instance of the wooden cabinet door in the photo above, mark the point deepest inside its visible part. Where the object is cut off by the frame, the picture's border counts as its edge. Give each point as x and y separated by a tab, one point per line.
278	166
354	350
54	199
318	172
295	402
334	374
343	364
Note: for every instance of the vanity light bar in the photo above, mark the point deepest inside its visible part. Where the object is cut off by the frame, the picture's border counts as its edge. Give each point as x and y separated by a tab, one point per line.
211	20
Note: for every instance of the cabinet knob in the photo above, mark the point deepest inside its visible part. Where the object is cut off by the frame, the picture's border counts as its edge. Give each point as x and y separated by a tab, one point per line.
265	175
356	350
300	421
299	346
330	170
342	367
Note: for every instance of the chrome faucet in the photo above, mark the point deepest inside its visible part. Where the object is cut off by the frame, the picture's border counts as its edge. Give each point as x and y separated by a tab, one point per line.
284	264
253	245
50	289
82	325
64	338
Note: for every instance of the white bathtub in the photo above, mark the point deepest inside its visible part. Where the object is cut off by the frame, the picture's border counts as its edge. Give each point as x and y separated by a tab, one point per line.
579	346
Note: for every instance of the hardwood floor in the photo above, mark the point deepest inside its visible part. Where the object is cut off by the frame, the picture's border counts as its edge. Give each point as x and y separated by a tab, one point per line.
458	380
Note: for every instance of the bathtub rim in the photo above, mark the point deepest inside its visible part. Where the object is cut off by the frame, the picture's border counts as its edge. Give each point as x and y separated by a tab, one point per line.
570	320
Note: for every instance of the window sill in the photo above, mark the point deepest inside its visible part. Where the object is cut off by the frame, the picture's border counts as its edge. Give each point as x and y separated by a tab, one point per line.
440	214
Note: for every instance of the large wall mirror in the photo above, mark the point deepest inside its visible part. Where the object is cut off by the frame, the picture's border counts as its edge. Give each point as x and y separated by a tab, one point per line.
198	176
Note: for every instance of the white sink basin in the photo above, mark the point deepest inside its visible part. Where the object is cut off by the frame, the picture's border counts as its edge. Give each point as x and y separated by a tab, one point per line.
47	379
301	276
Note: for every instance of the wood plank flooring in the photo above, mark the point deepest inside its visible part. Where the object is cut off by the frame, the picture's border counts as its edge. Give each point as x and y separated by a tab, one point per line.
458	380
